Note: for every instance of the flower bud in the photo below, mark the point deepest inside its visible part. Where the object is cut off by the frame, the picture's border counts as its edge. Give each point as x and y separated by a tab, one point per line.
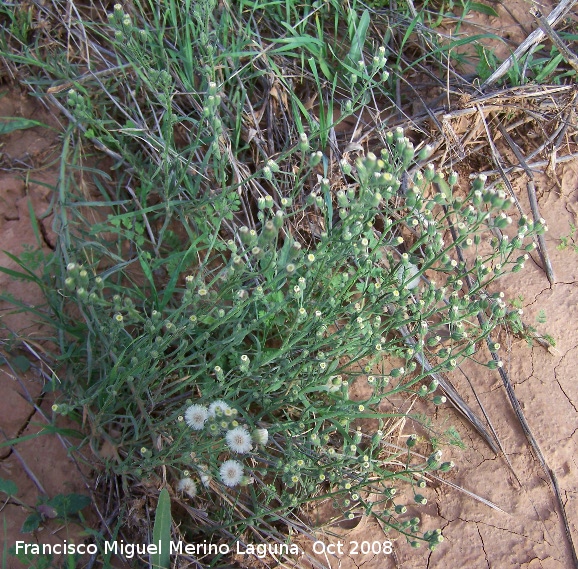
315	158
303	142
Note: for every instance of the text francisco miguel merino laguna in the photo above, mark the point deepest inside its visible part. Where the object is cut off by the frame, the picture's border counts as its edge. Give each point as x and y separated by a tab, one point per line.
129	550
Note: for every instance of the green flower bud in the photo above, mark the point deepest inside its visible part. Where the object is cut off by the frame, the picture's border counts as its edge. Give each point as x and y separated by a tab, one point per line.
278	219
269	231
425	153
303	142
345	166
244	234
82	294
408	153
479	182
429	172
501	222
446	466
397	372
315	158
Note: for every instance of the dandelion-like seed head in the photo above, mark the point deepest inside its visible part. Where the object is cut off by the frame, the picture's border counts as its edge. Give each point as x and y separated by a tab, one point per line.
231	473
196	416
239	440
188	486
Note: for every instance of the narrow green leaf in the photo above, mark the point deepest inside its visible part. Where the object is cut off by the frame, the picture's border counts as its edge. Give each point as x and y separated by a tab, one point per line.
22	439
168	294
549	68
28	276
148	274
483	9
162	532
358	40
10	124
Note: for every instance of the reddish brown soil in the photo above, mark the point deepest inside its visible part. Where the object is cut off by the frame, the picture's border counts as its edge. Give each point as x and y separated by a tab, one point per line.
39	466
527	533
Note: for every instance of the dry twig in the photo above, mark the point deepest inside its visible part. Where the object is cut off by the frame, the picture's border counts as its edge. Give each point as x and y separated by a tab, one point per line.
542	250
536	36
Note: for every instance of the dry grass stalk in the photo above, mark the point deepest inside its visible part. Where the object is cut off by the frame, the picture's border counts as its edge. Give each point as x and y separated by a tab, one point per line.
535	37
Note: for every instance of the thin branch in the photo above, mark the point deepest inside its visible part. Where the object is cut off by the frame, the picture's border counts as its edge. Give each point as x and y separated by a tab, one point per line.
535	37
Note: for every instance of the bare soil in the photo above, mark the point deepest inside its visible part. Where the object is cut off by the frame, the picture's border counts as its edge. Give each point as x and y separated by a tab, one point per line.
41	466
526	532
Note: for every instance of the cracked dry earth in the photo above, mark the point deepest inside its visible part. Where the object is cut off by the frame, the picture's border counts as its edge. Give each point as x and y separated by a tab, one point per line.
39	466
528	532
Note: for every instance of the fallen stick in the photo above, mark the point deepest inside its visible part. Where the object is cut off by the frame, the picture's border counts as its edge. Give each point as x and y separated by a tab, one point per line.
554	37
536	450
535	37
542	250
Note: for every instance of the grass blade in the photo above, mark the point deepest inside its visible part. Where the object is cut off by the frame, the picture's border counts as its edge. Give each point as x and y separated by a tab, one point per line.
162	532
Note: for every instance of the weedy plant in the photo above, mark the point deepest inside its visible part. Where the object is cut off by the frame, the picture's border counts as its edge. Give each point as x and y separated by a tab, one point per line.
238	384
215	320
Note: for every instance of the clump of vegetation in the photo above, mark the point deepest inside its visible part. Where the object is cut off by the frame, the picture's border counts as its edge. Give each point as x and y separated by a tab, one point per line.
218	301
235	379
